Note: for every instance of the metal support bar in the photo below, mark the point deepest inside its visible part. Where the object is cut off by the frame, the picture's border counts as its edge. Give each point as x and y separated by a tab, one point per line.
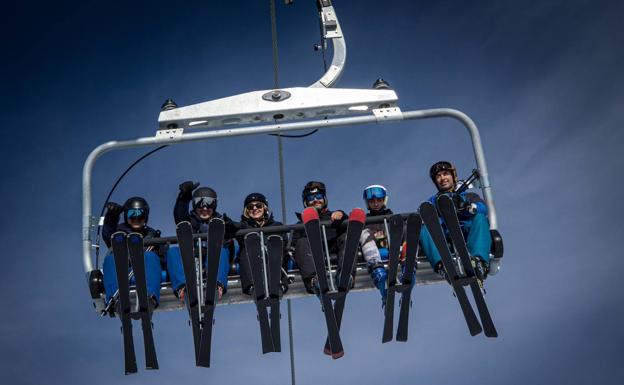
274	129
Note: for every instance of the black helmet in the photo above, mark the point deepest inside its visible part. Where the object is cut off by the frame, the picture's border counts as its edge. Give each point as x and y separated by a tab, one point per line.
205	197
136	207
255	197
314	187
442	165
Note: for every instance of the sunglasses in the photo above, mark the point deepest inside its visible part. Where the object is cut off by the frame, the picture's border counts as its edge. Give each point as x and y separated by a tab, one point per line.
253	206
315	197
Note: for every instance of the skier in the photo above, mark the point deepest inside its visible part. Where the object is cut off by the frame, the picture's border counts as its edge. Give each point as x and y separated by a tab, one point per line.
256	214
136	215
204	203
314	195
472	215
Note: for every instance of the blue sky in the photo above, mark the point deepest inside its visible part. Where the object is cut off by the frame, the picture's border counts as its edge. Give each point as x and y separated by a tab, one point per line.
542	80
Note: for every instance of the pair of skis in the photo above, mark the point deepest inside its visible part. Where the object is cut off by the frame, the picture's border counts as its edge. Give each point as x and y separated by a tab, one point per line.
131	246
449	215
266	274
333	311
395	225
201	314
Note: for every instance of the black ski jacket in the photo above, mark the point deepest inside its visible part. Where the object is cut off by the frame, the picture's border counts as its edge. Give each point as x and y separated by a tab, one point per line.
111	226
248	223
332	231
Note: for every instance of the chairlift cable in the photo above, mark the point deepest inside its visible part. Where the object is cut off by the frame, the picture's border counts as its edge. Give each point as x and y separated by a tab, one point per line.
281	172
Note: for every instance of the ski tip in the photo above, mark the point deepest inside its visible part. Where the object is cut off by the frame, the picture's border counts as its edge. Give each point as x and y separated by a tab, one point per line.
309	214
216	221
183	224
337	355
358	215
444	199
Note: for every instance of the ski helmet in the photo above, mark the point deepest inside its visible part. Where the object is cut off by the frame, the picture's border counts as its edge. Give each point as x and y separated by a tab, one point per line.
255	197
375	191
204	197
314	189
442	166
136	207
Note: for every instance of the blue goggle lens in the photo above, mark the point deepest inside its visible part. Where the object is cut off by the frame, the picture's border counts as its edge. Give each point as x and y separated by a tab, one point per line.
374	192
315	197
135	213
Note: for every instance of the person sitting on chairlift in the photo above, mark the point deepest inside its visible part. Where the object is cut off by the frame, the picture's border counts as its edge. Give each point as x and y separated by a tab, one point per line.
136	215
204	203
472	215
256	215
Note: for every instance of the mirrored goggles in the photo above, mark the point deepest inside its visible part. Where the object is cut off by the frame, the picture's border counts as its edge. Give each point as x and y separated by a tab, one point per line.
204	202
374	192
315	197
135	213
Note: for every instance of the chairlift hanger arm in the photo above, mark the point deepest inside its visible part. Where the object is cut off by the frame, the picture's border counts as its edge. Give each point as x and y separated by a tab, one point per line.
330	30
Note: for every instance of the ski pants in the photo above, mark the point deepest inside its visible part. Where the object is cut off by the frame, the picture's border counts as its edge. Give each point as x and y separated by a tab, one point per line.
476	232
176	269
153	275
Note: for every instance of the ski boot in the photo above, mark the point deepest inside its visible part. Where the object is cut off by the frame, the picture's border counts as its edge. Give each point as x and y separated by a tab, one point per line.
380	280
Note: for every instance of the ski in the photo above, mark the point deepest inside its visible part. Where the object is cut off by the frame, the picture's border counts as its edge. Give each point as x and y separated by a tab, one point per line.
414	222
184	232
352	243
253	247
216	231
313	232
448	212
395	224
120	254
275	250
137	260
430	218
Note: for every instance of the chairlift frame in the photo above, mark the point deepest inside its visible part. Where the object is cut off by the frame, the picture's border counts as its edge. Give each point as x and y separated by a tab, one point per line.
291	109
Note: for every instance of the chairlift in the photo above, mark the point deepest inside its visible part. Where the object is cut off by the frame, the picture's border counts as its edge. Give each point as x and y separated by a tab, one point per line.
281	111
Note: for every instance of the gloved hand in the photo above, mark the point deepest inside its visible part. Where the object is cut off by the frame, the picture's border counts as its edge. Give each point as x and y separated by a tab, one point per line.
114	208
186	188
463	206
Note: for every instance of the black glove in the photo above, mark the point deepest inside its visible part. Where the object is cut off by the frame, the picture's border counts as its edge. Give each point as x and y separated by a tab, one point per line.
463	206
186	188
114	208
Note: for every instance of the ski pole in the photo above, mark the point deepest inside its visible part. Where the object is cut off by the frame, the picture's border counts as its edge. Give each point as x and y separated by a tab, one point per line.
115	297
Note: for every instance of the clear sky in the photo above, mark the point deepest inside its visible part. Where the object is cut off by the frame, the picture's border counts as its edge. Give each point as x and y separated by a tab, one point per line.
542	79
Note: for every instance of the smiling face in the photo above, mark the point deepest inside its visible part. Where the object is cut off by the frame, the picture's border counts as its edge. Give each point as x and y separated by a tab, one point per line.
444	181
256	210
316	200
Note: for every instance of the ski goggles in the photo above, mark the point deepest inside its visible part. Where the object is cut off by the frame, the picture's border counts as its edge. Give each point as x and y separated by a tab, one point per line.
374	192
204	202
255	205
135	213
315	197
